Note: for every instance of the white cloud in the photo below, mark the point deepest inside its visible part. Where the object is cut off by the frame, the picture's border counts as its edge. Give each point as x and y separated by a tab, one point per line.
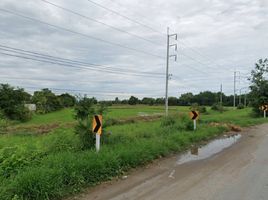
222	36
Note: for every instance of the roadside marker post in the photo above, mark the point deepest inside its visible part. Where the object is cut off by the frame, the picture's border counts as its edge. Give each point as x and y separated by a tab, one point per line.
264	109
97	129
194	116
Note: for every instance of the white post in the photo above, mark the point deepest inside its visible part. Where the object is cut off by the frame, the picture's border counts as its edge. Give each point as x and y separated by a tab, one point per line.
264	114
195	124
97	142
167	74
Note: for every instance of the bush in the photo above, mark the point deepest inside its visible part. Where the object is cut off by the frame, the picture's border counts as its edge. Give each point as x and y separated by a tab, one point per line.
3	123
168	121
240	106
217	107
196	107
22	113
84	112
12	103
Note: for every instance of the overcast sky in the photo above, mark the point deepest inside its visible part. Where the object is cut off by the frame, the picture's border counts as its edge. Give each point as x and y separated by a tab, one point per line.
215	37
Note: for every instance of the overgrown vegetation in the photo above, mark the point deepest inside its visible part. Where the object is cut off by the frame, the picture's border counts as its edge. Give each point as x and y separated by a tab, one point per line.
57	164
259	87
85	109
12	102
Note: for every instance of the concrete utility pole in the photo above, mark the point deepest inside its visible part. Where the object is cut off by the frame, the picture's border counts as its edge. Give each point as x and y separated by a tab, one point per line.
167	64
234	87
235	75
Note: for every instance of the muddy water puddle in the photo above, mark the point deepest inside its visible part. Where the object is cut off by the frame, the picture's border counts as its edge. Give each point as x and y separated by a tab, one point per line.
208	150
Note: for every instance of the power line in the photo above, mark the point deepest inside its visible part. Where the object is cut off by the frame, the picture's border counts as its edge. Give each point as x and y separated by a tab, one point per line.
97	21
81	34
126	17
113	94
74	66
200	54
45	56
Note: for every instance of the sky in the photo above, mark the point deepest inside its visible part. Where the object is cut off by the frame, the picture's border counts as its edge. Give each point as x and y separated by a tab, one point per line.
116	48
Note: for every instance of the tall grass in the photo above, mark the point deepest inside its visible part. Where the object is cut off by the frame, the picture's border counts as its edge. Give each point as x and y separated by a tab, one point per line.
53	166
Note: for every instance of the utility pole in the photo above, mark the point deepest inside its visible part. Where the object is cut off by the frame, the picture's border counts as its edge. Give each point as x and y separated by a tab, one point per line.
167	64
234	87
235	76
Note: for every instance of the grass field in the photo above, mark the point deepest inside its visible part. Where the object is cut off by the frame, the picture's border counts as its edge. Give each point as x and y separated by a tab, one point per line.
52	165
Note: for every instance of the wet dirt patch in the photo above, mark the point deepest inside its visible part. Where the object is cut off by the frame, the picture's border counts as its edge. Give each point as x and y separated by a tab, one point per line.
231	127
36	129
200	153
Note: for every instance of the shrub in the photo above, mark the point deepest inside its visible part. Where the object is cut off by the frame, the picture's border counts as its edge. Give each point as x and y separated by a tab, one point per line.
217	107
196	107
168	121
240	106
84	112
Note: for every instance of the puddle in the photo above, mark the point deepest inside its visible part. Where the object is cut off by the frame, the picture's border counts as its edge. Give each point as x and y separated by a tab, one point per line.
212	148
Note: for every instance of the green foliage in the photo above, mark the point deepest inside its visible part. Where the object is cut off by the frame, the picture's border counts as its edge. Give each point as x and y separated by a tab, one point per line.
3	123
196	107
46	101
67	100
168	121
217	107
259	87
12	103
52	166
240	106
133	100
85	109
148	101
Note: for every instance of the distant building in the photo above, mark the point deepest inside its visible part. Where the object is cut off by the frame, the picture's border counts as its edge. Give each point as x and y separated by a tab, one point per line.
31	107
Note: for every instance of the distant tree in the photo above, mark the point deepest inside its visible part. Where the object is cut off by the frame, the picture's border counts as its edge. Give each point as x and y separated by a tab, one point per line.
116	100
46	101
125	101
206	98
12	103
133	100
259	85
172	101
160	101
67	100
186	99
148	101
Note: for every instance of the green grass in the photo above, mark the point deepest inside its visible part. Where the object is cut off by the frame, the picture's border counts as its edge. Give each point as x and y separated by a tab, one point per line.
62	116
51	166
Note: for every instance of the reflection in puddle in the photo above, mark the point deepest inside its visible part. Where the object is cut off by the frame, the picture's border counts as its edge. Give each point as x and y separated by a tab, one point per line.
208	150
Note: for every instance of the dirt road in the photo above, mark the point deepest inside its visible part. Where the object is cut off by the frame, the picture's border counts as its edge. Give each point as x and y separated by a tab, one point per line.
236	172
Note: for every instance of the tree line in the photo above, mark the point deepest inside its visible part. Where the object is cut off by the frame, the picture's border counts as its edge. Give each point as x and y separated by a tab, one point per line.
13	100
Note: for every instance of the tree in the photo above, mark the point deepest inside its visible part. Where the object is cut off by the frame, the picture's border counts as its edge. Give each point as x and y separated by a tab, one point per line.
133	100
172	101
116	100
46	101
12	103
186	99
160	101
148	101
67	100
259	85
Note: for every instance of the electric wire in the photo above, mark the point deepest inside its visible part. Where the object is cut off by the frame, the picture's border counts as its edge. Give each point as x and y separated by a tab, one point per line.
126	17
81	34
45	56
97	21
74	66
